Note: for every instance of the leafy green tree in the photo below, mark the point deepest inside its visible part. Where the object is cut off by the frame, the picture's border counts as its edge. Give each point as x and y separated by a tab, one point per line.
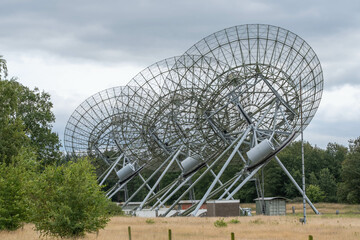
25	120
68	202
354	145
15	182
247	193
34	109
315	194
12	128
335	155
291	191
274	180
278	184
349	188
113	209
313	179
3	68
328	185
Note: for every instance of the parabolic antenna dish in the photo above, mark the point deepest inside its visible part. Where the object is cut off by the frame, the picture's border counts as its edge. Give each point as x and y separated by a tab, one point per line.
91	128
269	72
97	126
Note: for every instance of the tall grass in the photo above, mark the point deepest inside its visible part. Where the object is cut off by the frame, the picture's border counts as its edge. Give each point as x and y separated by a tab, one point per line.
326	226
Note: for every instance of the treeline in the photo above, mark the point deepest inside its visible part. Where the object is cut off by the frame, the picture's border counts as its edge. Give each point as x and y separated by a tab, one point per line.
328	173
323	173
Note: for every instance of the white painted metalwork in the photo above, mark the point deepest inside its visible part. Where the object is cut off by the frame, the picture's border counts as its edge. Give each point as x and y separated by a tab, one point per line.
260	151
125	172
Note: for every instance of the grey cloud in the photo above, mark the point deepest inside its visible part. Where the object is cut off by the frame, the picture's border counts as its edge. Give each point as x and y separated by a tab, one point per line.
147	31
321	133
143	32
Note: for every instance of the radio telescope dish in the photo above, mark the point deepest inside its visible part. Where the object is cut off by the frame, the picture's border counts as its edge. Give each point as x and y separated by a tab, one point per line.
92	128
97	128
270	71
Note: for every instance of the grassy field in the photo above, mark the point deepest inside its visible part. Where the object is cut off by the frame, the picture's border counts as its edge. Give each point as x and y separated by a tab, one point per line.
324	208
346	225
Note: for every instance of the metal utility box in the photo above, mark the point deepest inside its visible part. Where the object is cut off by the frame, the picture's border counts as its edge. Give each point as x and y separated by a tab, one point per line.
272	206
223	208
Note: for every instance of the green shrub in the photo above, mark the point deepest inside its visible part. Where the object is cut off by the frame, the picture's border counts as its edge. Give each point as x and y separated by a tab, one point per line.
68	202
150	221
234	221
114	209
15	180
13	209
315	194
220	223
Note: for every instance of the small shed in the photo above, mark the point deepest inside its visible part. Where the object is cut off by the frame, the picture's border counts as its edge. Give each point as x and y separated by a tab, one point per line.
223	208
271	206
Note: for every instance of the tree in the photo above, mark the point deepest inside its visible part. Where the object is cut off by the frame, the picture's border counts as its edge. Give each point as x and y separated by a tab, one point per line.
349	188
25	120
335	155
68	202
35	111
275	180
328	185
354	145
315	194
3	68
291	191
15	182
12	128
313	179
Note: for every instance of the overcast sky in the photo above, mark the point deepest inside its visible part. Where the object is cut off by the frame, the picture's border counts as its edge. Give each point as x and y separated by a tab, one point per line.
74	49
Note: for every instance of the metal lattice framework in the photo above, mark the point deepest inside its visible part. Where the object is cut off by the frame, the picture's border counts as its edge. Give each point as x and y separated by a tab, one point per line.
91	129
246	89
165	117
99	127
266	59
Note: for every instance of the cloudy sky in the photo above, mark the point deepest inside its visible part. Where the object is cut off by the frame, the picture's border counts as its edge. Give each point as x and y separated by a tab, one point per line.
73	49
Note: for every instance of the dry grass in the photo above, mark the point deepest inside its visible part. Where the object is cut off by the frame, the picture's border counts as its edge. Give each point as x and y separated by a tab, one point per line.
323	208
326	226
